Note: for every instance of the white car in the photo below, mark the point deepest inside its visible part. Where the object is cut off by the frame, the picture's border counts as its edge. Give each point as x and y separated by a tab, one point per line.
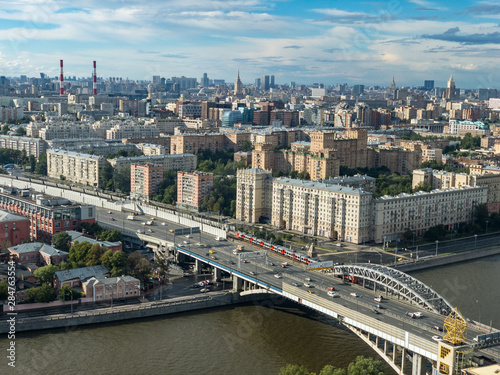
295	284
252	273
163	223
307	285
278	276
418	314
204	290
188	236
332	294
436	338
355	295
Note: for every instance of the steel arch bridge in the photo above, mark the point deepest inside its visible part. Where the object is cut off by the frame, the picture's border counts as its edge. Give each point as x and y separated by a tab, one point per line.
395	282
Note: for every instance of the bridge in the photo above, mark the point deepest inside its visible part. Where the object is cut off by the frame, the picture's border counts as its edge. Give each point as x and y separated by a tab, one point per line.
406	343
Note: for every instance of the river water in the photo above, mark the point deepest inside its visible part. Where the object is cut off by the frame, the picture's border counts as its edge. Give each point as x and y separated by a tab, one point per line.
251	339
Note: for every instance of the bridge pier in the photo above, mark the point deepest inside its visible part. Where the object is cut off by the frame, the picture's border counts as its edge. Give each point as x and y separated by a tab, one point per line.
418	365
197	266
403	360
237	284
217	274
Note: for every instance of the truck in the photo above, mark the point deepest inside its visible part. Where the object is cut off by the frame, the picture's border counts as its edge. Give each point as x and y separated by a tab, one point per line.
130	217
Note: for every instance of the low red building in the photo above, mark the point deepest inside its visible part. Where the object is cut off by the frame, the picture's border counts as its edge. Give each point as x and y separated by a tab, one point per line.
14	229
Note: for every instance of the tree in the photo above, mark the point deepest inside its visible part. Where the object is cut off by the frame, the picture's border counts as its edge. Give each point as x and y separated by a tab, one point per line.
423	186
162	266
32	163
365	366
61	241
118	263
94	255
5	129
41	166
331	370
293	370
481	214
246	146
44	294
78	254
121	178
106	174
106	259
4	290
434	233
20	132
46	273
110	235
66	293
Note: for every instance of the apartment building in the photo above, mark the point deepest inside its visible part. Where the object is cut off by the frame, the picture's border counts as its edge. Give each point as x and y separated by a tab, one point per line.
111	288
32	146
183	162
192	187
81	168
145	179
132	131
14	229
253	195
418	212
193	143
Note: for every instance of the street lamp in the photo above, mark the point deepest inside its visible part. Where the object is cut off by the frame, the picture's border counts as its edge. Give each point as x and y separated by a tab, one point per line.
437	242
475	240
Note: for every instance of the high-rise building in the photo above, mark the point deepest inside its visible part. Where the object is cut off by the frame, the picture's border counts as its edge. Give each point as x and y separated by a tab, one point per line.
428	85
264	83
451	92
205	82
192	187
257	82
358	90
145	179
272	81
238	87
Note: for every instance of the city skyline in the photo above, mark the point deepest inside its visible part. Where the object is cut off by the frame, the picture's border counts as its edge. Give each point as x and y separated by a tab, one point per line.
357	42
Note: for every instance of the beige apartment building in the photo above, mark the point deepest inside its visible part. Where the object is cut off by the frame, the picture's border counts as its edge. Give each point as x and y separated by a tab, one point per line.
443	180
253	195
192	143
320	209
392	216
80	168
32	146
183	162
145	179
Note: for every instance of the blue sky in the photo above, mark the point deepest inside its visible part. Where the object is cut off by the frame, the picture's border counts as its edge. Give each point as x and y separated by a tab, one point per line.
303	41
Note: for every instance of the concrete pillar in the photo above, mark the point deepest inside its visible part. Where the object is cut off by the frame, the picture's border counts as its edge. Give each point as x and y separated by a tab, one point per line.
377	341
245	285
197	266
418	365
364	282
385	347
237	284
217	274
403	360
394	350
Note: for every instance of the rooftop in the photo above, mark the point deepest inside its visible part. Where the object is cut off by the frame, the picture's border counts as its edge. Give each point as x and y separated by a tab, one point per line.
320	186
82	273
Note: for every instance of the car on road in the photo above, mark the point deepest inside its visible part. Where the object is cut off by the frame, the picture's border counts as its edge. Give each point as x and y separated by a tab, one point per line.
376	311
355	295
310	291
245	261
436	338
150	230
438	328
204	290
219	239
211	251
252	273
295	284
331	288
307	285
112	218
418	314
271	264
110	212
213	257
140	231
332	294
277	275
378	306
163	223
143	223
188	236
308	279
231	262
171	230
186	242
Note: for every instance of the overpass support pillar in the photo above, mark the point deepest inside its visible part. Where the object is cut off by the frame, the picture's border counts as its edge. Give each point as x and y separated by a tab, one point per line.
237	284
403	360
217	274
418	366
385	347
394	351
197	266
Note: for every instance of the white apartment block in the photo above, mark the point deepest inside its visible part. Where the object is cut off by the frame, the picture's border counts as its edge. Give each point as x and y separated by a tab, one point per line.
418	212
32	146
320	209
462	127
149	149
183	162
132	131
76	167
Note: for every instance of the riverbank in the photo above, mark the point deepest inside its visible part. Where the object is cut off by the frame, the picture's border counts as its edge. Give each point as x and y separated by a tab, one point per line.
126	312
447	259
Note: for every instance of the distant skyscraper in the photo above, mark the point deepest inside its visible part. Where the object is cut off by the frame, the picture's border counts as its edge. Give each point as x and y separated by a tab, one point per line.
205	82
451	91
358	90
238	89
156	80
257	82
428	85
272	81
264	83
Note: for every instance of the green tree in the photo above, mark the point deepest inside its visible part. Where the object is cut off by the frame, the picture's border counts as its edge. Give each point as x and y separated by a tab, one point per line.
61	241
119	264
32	162
41	166
107	258
293	370
21	132
78	254
110	235
46	273
46	293
365	366
5	129
423	186
434	233
162	265
246	146
481	214
66	293
121	178
4	290
106	174
331	370
94	255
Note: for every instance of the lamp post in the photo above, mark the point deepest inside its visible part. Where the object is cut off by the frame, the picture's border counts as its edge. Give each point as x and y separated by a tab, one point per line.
475	240
437	242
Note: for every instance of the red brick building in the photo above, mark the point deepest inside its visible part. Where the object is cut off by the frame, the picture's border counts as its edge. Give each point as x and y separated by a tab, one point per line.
192	187
15	229
145	179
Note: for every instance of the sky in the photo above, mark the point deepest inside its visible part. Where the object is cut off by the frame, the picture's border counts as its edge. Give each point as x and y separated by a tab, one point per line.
336	41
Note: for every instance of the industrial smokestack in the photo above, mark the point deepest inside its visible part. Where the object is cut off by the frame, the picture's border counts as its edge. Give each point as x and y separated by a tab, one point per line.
61	80
94	84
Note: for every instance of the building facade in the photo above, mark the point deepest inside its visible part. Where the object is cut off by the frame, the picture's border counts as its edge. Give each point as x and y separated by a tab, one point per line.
81	168
192	187
145	179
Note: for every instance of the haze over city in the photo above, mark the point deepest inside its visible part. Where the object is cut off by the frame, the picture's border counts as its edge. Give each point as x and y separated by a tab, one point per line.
302	41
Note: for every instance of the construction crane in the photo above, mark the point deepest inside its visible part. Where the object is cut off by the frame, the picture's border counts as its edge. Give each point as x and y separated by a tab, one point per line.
455	328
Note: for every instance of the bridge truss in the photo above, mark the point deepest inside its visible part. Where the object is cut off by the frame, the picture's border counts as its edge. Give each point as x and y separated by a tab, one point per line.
395	282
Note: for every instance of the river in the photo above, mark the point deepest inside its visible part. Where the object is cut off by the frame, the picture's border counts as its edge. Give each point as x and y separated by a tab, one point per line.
251	339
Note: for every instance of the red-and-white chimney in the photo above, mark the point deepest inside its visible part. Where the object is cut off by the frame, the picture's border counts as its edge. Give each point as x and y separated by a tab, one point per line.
61	80
94	84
